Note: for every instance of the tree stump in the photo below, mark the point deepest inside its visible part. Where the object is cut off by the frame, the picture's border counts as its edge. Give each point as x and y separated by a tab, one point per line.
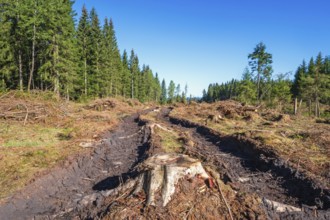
162	172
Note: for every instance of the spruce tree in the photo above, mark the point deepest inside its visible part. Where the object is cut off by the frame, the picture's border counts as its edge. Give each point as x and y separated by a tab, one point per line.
7	59
163	97
246	88
83	33
116	62
126	76
300	73
59	53
135	74
171	92
157	89
94	54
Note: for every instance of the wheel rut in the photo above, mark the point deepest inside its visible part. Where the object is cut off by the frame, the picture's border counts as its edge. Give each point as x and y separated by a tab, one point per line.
78	189
249	169
62	193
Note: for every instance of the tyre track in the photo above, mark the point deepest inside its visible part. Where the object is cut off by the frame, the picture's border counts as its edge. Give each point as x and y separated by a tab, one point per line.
60	193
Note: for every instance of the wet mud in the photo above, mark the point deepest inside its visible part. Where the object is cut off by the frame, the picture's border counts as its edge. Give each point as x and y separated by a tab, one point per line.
62	193
248	167
78	189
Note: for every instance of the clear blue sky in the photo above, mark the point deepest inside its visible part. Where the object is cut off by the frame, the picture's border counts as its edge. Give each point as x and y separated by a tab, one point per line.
199	42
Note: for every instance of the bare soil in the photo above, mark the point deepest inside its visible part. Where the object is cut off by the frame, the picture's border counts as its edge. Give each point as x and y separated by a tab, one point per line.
249	174
59	194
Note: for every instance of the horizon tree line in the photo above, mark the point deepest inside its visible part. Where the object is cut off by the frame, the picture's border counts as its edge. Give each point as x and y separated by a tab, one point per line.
311	83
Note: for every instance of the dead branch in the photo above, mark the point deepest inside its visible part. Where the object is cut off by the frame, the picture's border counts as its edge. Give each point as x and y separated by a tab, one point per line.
217	178
27	114
153	125
279	207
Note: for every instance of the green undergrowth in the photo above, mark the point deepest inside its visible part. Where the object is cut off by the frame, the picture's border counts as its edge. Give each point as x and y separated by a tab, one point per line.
169	141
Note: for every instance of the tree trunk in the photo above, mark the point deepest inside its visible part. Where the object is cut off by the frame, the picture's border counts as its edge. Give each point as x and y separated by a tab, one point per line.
317	108
33	57
20	66
132	87
85	75
295	106
258	87
56	73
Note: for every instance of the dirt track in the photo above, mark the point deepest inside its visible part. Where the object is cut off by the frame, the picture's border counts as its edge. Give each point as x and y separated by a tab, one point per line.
77	189
60	194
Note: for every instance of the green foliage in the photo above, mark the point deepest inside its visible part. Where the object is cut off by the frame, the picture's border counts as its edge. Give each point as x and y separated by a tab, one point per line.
171	92
246	88
311	84
163	97
41	49
260	62
314	84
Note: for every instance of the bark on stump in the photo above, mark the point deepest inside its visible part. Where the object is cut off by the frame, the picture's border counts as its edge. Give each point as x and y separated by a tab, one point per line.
162	172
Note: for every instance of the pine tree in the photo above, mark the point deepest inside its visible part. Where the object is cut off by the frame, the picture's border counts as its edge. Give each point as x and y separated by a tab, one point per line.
260	62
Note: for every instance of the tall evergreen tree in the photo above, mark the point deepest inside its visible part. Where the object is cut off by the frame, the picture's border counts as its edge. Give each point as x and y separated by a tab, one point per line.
126	76
94	61
83	33
260	62
300	73
7	59
171	91
246	88
157	89
163	97
135	74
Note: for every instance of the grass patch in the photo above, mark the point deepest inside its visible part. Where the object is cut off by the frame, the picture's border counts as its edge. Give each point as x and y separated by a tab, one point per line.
169	141
52	131
26	150
16	135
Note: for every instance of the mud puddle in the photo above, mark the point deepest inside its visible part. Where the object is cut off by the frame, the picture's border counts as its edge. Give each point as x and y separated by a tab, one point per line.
62	193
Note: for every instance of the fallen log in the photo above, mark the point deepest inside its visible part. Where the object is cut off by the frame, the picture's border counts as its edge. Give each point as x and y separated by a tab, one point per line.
280	207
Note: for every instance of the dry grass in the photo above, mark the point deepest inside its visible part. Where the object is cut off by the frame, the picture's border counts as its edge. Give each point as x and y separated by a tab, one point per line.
169	141
165	139
299	140
31	143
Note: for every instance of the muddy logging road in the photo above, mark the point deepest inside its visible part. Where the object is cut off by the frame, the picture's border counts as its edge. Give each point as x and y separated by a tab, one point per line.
79	188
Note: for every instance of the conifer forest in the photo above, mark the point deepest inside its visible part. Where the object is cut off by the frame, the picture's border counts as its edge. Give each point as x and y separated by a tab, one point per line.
42	48
89	130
